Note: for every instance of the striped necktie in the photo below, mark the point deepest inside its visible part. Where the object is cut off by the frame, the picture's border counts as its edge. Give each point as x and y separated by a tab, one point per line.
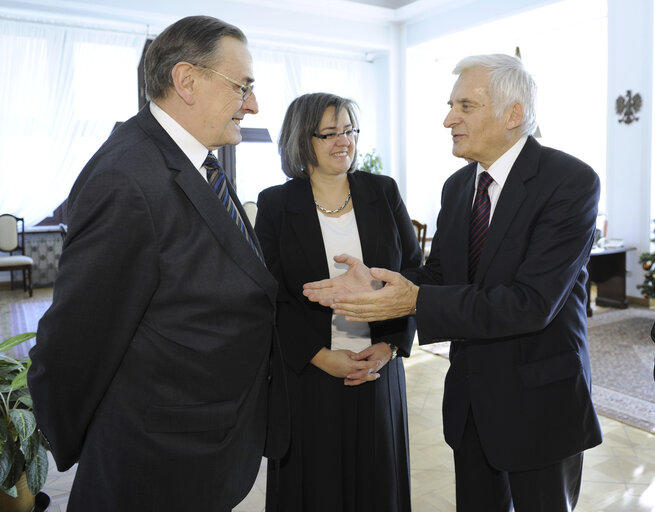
218	181
479	222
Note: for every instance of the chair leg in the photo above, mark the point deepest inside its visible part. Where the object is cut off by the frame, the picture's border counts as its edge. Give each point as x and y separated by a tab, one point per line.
29	277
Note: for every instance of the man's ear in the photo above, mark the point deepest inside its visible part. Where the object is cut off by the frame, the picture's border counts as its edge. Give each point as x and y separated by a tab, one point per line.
515	116
184	81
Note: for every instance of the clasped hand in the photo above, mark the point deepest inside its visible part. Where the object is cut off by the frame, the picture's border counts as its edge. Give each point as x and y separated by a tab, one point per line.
354	368
361	295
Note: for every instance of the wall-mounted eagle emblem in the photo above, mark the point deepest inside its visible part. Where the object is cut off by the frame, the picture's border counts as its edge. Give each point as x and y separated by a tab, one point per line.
627	106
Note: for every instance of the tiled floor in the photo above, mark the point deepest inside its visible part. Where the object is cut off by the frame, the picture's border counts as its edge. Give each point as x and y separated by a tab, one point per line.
619	475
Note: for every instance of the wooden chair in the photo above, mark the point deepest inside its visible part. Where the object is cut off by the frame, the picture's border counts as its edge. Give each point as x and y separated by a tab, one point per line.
12	240
421	232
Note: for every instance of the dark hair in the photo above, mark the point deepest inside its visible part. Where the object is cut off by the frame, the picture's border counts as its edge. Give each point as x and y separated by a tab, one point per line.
301	122
194	39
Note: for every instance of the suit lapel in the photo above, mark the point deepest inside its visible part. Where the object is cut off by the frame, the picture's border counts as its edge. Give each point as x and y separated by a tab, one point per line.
303	221
205	201
456	228
365	214
509	202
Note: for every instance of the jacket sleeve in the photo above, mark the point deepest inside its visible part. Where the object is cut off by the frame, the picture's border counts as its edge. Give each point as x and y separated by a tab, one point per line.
539	267
401	331
107	274
298	321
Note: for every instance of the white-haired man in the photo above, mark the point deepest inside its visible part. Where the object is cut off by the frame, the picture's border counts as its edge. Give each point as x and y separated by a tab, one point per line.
505	281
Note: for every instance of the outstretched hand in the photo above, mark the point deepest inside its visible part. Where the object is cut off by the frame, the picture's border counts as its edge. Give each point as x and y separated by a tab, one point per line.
359	296
356	280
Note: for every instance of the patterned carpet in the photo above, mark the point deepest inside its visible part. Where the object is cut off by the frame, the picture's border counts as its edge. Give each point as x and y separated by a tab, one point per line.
621	365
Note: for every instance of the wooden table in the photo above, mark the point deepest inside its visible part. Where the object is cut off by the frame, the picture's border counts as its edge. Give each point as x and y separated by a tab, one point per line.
606	269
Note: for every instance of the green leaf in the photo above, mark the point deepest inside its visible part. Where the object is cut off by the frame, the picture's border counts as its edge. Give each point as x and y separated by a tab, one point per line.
16	340
20	381
6	459
16	468
24	422
37	469
28	447
25	399
12	491
12	464
4	432
8	359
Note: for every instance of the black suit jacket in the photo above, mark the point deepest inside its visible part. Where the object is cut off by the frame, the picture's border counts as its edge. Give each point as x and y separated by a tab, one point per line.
519	357
290	233
152	366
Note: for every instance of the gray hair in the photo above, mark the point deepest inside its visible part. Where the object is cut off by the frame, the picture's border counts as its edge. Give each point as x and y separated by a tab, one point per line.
301	122
194	39
509	83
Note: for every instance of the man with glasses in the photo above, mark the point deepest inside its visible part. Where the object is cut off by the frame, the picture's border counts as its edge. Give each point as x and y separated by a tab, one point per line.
156	368
505	283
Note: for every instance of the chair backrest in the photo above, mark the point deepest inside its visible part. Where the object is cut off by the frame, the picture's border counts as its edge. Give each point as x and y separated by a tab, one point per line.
421	231
9	233
251	211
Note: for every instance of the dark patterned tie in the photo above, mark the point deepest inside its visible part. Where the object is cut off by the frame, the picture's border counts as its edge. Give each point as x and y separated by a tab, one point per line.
479	222
218	181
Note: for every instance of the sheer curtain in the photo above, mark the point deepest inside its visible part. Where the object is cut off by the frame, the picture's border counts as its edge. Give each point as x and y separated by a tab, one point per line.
61	91
283	75
563	45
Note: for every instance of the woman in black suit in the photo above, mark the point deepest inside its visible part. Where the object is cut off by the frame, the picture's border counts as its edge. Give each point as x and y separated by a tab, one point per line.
349	448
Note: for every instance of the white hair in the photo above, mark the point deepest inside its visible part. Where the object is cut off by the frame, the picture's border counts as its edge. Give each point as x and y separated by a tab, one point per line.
509	83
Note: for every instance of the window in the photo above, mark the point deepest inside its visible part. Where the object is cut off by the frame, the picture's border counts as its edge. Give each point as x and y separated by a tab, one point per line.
563	45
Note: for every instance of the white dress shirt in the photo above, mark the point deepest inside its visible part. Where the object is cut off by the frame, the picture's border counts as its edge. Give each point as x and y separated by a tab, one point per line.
499	171
340	235
189	145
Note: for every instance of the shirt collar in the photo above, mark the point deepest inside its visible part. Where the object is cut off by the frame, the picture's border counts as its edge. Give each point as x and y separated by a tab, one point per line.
499	170
189	145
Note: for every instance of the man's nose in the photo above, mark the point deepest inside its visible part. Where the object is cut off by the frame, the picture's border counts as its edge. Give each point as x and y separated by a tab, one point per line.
450	119
250	106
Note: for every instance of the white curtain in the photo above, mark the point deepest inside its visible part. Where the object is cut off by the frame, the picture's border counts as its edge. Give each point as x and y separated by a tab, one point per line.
283	75
62	89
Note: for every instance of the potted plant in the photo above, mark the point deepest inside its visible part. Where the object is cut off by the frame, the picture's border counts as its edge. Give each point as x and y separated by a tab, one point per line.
23	449
371	163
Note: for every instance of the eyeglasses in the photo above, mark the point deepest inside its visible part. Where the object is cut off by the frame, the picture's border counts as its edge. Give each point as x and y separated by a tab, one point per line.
351	134
246	90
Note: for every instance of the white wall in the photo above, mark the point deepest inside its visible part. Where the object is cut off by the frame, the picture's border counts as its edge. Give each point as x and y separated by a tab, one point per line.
384	34
628	180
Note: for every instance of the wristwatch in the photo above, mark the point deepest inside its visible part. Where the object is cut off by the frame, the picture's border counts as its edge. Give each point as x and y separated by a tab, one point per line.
394	350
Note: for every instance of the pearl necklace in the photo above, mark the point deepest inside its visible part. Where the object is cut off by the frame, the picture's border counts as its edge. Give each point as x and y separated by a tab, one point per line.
325	210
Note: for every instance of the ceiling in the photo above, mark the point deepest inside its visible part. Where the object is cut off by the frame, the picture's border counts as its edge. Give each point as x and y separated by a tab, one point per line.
389	4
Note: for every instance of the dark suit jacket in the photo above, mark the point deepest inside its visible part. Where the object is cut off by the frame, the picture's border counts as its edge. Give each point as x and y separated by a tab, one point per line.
290	233
519	357
152	366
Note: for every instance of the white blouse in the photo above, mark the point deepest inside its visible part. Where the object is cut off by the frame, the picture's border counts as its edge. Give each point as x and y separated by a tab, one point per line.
340	235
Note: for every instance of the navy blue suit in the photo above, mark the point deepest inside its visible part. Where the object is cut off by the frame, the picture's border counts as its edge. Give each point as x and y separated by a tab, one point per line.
519	354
